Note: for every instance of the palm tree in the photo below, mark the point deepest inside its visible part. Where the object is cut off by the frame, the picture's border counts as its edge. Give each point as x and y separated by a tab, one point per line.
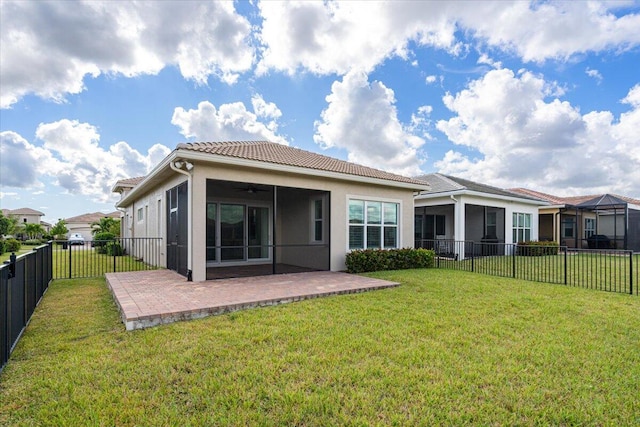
106	225
33	231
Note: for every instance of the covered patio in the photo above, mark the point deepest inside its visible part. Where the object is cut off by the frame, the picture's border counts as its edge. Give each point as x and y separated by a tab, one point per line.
151	298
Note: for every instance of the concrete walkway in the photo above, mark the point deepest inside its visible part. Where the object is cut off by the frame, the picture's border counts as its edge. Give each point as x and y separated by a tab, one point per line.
150	298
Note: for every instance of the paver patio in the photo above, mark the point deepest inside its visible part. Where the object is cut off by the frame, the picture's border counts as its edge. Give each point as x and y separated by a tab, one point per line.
150	298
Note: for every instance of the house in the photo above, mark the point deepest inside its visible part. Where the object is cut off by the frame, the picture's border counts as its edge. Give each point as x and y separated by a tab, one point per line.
574	221
81	224
456	209
260	206
27	216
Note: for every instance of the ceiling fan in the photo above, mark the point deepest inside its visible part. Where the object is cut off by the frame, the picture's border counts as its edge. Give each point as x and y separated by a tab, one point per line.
251	189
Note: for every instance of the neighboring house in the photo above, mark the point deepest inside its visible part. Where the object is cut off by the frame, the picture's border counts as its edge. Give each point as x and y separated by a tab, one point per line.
242	204
81	224
456	209
573	221
27	216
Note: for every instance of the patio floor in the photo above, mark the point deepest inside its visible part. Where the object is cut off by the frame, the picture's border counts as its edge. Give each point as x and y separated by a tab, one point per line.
150	298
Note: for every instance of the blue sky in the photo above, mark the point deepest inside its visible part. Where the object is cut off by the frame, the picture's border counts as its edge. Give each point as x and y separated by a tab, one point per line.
541	95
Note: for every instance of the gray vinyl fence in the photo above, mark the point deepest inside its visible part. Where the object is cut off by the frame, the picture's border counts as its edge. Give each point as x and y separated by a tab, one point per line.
25	278
23	281
602	269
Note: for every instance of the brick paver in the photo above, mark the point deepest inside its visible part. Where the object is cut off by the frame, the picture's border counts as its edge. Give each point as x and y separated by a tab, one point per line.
150	298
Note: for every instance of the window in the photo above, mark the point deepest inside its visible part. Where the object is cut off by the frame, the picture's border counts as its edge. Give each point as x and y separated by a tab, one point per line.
140	215
491	224
317	220
568	227
373	225
589	227
521	227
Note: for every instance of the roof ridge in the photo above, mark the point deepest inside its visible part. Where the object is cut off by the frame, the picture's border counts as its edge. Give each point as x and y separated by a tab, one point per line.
275	153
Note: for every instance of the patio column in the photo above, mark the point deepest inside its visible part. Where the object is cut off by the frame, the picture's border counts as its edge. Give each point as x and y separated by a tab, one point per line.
459	227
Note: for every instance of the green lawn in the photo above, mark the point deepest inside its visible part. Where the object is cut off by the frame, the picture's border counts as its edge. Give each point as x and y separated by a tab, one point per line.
84	261
586	270
445	348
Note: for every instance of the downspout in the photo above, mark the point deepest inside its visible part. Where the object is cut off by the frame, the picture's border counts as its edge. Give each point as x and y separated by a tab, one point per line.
189	216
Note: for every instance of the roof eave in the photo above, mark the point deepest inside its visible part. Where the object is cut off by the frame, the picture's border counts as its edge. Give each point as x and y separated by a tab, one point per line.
257	164
466	192
299	170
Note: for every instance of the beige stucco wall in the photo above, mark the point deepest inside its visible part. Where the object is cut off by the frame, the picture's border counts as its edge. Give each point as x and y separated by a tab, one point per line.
154	222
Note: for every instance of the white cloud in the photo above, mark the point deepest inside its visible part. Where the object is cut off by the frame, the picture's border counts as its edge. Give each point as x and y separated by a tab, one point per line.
48	48
337	36
526	140
8	194
21	162
361	118
595	74
229	122
430	79
70	153
538	31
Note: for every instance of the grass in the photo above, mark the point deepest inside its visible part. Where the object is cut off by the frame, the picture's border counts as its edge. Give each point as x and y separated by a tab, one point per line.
445	348
586	270
87	262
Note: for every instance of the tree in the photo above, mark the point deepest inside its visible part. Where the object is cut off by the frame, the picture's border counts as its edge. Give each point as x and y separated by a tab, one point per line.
60	229
106	225
33	231
7	224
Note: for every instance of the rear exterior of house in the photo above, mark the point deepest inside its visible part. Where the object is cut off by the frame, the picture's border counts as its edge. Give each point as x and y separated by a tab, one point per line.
455	209
575	221
249	208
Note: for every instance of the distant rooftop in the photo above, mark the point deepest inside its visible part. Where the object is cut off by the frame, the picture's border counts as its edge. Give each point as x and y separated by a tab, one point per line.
441	183
93	217
572	200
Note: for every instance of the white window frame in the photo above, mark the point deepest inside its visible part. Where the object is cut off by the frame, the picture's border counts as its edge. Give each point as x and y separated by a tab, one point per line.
381	225
314	220
519	225
589	227
140	215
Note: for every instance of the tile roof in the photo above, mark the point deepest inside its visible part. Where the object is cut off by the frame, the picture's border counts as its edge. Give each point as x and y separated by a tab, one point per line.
440	183
129	182
93	217
270	152
21	211
572	200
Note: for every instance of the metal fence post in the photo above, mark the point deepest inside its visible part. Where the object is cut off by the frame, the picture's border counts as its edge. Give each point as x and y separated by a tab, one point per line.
565	265
513	268
631	273
70	246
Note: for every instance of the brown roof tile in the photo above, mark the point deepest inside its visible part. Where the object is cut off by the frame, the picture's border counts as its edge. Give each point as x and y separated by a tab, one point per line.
572	200
271	152
92	217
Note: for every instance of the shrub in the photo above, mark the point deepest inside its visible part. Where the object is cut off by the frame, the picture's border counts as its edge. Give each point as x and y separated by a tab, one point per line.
2	246
12	245
101	241
114	249
535	248
32	242
363	260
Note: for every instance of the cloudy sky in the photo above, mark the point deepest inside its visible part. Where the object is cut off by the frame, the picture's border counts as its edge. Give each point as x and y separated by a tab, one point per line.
543	95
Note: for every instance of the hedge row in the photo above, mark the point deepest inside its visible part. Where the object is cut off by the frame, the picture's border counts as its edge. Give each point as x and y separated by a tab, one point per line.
534	248
363	260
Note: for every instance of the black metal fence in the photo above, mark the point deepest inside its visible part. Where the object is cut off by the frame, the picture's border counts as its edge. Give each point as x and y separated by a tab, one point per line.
23	281
607	270
93	259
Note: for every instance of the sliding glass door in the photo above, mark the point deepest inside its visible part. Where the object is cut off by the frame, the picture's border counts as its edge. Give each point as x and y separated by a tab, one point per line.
232	232
237	232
